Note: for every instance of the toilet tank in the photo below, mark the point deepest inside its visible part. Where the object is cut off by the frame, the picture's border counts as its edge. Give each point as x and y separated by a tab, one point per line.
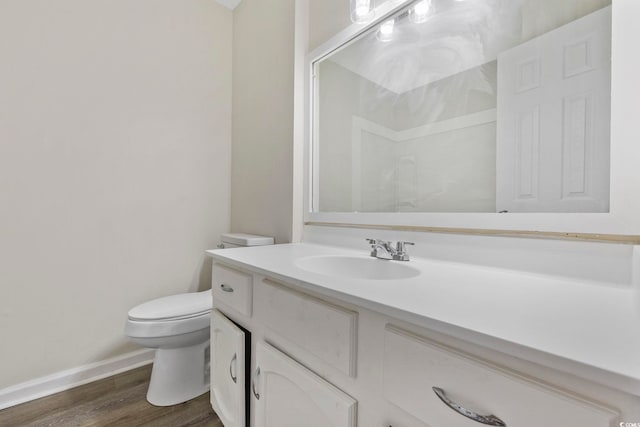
236	240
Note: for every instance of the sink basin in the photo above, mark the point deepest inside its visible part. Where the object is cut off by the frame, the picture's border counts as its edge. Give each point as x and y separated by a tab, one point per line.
353	267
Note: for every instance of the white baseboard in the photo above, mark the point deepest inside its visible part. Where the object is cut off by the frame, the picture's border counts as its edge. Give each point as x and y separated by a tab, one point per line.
64	380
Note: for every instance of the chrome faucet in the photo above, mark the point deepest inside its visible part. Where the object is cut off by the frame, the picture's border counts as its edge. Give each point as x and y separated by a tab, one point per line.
398	253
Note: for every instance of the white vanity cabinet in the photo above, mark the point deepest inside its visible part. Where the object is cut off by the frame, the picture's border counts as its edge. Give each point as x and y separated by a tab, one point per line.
319	361
289	395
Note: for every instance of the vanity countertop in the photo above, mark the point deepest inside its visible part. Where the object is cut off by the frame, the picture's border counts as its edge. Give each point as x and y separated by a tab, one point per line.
591	329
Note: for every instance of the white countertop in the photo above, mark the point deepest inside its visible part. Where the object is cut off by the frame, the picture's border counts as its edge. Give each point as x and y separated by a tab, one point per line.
591	329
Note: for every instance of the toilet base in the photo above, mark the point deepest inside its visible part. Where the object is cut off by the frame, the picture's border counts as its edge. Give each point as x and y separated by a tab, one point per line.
179	374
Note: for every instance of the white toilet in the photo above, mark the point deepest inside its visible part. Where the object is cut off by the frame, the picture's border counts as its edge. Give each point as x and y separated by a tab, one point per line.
177	326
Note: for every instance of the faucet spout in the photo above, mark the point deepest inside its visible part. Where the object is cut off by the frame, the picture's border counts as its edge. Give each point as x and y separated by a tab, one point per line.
381	249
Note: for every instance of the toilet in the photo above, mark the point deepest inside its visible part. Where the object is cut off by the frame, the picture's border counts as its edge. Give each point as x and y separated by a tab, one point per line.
177	326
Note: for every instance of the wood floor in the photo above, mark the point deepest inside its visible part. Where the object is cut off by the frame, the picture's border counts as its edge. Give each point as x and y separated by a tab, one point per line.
115	401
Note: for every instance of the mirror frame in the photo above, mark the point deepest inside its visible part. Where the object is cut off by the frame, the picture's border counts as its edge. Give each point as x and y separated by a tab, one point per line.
621	224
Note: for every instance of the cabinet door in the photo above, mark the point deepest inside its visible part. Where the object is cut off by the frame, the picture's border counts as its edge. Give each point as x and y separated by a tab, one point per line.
227	370
289	395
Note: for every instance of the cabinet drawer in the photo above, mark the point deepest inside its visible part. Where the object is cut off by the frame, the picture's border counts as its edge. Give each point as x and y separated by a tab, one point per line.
233	288
326	331
413	365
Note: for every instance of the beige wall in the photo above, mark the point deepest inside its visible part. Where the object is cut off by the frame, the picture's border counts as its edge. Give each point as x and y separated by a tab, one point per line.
263	82
326	19
114	168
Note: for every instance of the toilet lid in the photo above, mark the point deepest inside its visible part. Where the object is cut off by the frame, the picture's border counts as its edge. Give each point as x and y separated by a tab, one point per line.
173	307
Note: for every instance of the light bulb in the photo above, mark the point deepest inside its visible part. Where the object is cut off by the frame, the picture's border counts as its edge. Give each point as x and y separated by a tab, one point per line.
385	32
420	12
361	11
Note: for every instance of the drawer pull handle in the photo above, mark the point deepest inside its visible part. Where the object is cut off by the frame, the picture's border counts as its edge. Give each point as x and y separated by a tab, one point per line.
233	359
253	383
491	420
226	288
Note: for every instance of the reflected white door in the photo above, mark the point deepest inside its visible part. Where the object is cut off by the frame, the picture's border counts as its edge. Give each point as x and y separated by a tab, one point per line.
289	395
228	385
554	108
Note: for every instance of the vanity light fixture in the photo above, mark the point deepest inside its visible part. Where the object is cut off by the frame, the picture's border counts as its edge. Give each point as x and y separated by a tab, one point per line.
420	12
361	11
385	32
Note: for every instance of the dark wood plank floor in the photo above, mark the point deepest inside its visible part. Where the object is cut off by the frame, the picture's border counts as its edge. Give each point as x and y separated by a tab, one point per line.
115	401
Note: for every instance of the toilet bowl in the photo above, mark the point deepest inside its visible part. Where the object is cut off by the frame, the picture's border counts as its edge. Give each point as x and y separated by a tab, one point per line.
177	326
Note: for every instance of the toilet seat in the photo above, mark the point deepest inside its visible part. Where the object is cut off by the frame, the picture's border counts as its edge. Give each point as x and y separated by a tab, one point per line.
166	328
173	307
172	315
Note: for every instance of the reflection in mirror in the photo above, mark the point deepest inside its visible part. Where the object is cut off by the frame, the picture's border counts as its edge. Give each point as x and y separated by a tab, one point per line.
468	106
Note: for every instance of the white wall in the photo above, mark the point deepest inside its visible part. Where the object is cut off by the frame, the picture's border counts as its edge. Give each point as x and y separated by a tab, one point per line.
263	82
114	168
540	16
452	171
343	95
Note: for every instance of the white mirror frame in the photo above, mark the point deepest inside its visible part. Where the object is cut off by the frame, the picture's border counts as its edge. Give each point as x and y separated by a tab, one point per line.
622	223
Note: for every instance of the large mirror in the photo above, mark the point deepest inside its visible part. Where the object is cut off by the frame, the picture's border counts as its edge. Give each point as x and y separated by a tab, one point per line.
483	106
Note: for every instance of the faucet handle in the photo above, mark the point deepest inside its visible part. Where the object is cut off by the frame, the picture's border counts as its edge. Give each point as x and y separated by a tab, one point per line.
374	248
371	241
401	244
401	254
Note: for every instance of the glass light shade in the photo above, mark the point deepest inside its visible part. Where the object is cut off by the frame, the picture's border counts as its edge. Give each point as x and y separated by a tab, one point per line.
419	13
361	11
385	32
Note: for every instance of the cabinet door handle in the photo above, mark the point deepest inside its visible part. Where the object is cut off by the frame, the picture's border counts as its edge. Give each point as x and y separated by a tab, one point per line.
233	359
226	288
491	420
253	383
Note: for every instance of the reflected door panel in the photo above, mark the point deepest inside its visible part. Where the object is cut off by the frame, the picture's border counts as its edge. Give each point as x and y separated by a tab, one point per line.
553	120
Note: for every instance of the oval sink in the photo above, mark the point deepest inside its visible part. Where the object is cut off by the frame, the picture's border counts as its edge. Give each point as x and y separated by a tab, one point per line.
351	267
